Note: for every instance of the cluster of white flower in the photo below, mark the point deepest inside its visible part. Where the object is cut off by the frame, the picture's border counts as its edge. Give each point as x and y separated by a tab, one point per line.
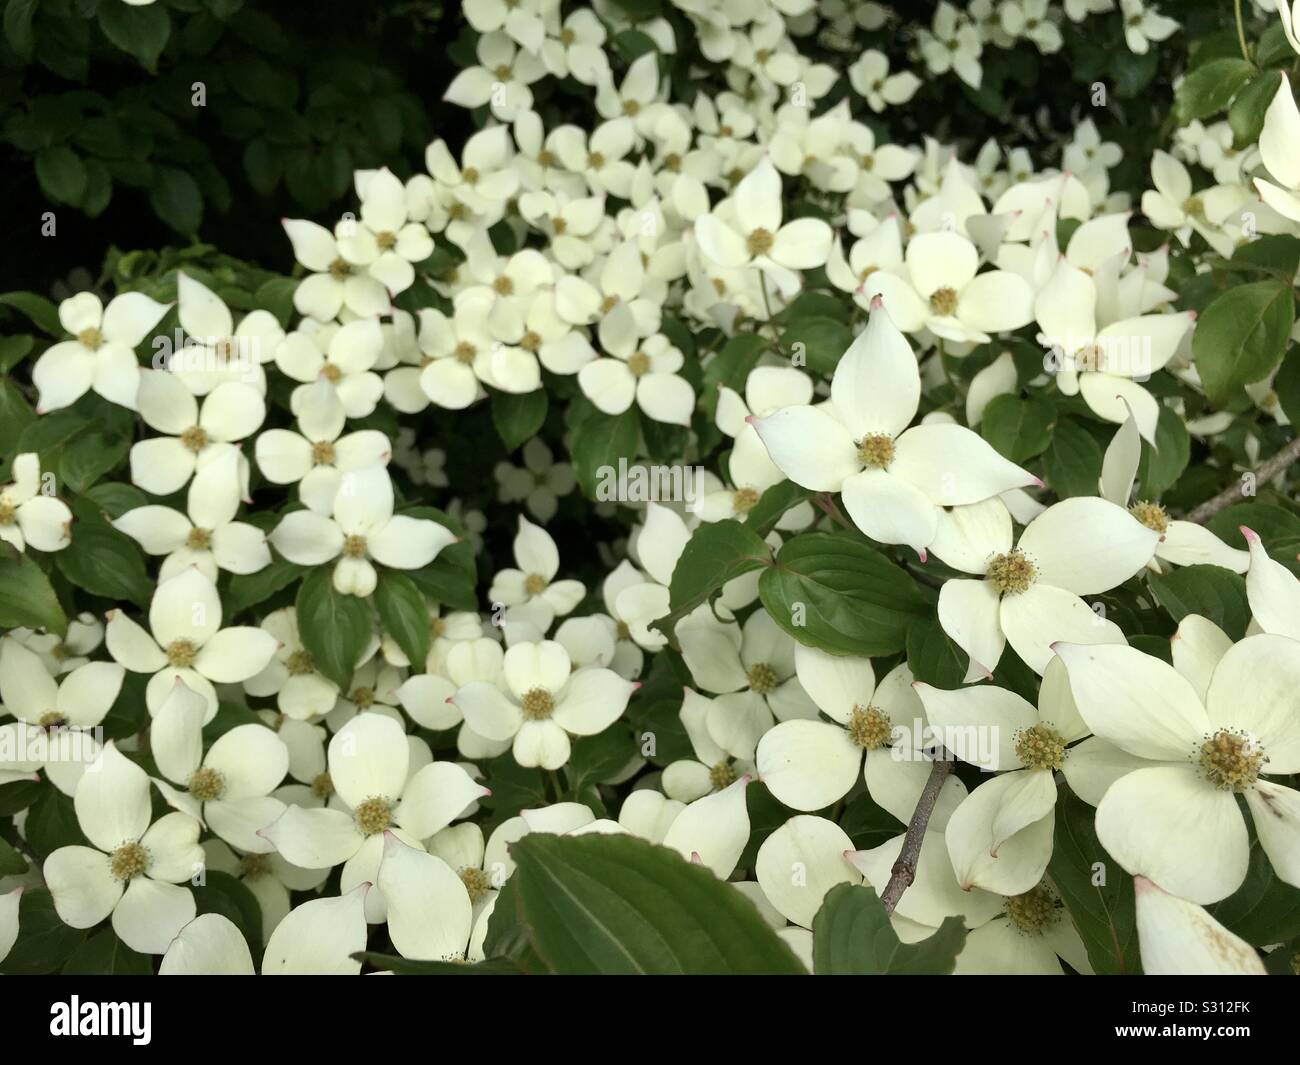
543	254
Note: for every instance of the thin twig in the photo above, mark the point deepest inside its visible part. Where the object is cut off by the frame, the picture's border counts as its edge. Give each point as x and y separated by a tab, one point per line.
1268	469
904	870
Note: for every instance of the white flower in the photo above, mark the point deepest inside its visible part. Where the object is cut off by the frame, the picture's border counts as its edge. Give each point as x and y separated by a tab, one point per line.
363	527
501	79
539	483
1031	20
819	848
521	20
321	937
952	43
134	869
1030	593
648	376
196	435
369	767
301	693
228	789
345	356
29	517
639	90
216	351
102	357
383	242
187	642
1272	590
1192	754
334	283
1179	938
209	537
576	48
894	480
317	457
545	703
1173	206
529	589
1279	145
1290	22
746	230
871	80
1142	25
1000	837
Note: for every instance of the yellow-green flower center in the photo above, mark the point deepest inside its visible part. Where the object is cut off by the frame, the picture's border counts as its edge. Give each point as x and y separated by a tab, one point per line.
322	786
1040	747
374	815
354	546
207	784
181	654
535	584
322	453
128	861
869	727
254	865
639	364
386	241
760	241
299	663
476	882
91	338
944	301
198	539
743	500
537	704
340	269
195	438
1011	573
722	775
762	678
1034	912
8	512
1232	761
1150	514
364	698
876	451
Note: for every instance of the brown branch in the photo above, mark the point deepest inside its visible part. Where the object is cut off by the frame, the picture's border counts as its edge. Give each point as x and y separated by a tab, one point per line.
1268	469
904	870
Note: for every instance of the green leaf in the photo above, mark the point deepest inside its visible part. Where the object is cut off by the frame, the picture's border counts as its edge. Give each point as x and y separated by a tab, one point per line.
404	615
773	504
102	561
16	415
1208	89
26	596
1018	428
852	936
1072	462
1160	467
518	417
138	31
716	553
1211	591
817	341
11	862
18	27
1241	335
40	310
841	595
106	955
176	198
61	173
731	366
1278	254
1265	909
90	456
334	628
224	894
1246	116
1097	893
617	904
52	823
249	589
44	942
933	657
599	441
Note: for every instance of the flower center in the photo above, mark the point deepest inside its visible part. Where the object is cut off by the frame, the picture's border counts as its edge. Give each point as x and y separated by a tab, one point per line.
743	500
195	438
1232	761
91	338
595	160
476	882
722	776
207	784
944	301
322	786
869	727
623	631
876	451
364	698
374	815
760	241
639	364
503	286
254	865
537	704
631	108
339	269
1194	206
128	861
1150	514
502	71
322	453
673	162
331	373
530	341
437	627
8	512
354	547
465	351
535	584
52	719
299	663
1011	573
470	175
386	241
181	654
1040	747
762	678
198	539
1034	912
